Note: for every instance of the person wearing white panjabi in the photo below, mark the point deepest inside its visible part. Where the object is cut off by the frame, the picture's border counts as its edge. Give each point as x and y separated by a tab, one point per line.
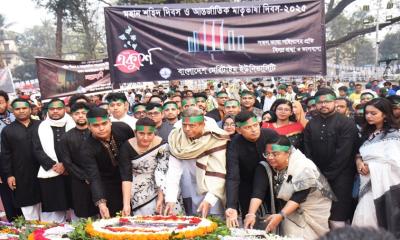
118	107
198	155
379	167
46	148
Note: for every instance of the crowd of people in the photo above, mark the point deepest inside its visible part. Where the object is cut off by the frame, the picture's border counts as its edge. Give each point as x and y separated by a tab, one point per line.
296	159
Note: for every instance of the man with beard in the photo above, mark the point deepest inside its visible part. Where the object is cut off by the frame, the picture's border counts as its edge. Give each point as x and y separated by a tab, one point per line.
47	148
154	111
71	143
139	110
188	102
196	165
5	192
171	112
248	101
218	113
243	155
99	156
18	162
329	140
343	106
232	108
201	99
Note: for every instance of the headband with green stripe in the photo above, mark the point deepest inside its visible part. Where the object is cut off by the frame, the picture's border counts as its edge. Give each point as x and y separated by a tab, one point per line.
328	97
170	104
222	94
194	119
200	98
20	104
159	109
247	93
86	109
143	128
56	104
248	122
232	103
116	100
188	101
396	105
139	108
280	148
311	102
94	120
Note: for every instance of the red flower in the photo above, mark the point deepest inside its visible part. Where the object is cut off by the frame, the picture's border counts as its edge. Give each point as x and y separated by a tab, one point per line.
195	220
124	221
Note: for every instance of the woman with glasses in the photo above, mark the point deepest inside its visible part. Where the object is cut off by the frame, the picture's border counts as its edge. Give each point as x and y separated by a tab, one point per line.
228	124
378	164
303	196
284	122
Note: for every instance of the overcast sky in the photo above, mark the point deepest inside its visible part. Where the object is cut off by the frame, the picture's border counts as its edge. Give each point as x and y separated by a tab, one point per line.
24	13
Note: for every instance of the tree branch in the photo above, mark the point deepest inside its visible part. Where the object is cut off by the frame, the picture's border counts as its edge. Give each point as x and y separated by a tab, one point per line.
338	9
358	32
330	5
107	3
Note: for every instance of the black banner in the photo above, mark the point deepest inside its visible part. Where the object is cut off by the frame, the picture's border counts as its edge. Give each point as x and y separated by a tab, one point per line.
192	41
58	78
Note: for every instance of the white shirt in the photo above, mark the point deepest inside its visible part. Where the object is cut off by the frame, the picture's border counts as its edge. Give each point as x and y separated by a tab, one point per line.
186	169
268	103
131	121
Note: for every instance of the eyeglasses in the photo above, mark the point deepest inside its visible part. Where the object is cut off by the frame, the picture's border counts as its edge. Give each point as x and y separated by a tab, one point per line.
229	125
153	114
272	154
139	113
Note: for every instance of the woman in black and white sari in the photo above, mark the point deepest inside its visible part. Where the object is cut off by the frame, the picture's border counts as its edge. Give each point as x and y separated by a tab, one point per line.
143	166
379	167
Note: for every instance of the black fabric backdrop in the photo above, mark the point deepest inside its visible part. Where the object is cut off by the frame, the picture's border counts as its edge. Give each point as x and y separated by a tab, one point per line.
205	41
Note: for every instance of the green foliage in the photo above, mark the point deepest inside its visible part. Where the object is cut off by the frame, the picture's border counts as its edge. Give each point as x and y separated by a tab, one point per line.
357	51
80	233
390	46
37	41
19	222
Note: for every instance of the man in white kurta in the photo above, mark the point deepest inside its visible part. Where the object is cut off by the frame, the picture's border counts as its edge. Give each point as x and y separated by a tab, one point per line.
197	165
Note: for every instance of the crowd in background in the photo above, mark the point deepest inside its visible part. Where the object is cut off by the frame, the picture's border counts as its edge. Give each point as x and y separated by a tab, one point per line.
305	156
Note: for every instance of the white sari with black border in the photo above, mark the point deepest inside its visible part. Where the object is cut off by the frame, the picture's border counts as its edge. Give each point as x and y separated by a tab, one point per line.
379	198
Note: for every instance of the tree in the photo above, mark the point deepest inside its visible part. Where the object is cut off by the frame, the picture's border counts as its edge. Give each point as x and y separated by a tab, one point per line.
357	51
1	37
3	28
83	14
390	46
35	42
335	8
58	7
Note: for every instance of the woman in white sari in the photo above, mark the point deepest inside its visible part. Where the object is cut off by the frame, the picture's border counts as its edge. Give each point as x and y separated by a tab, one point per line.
143	167
303	195
379	167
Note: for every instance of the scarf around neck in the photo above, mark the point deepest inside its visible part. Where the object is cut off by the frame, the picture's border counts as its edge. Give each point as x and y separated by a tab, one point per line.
46	138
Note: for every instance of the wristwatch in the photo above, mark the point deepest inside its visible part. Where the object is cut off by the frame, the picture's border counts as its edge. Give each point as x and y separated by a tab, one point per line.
282	214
